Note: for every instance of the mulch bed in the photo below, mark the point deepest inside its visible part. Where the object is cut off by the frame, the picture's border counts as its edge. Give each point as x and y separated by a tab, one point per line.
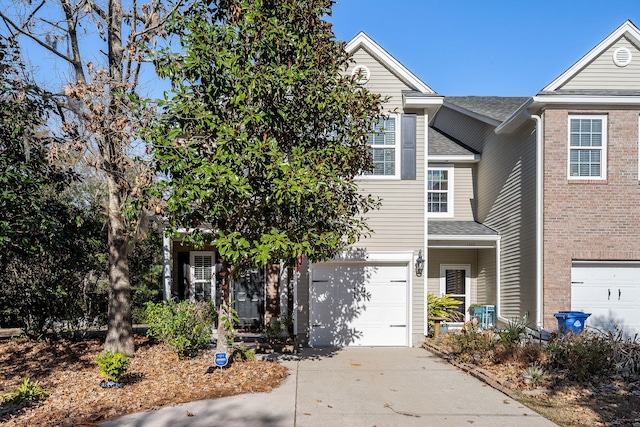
156	377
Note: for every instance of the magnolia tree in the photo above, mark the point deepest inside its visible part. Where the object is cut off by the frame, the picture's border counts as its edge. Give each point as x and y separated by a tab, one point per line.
96	51
263	134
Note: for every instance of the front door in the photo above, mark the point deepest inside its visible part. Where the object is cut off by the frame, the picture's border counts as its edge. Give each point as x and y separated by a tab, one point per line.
455	281
248	296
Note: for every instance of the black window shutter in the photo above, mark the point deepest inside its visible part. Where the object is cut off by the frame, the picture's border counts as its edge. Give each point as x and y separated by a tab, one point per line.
408	155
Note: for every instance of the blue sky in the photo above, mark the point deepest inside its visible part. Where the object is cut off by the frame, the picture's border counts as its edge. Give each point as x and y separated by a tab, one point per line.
490	47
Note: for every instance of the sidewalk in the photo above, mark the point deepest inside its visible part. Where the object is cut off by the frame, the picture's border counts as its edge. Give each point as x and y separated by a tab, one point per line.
356	387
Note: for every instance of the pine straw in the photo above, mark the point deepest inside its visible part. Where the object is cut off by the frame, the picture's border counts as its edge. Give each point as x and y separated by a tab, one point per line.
156	377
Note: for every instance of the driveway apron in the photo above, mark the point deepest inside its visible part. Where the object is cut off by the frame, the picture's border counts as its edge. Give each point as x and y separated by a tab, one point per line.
359	386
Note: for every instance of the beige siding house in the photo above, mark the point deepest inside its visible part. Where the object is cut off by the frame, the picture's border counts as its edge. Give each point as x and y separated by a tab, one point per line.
527	205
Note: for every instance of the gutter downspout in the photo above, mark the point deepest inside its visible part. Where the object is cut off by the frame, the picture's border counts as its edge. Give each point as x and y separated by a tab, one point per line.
539	216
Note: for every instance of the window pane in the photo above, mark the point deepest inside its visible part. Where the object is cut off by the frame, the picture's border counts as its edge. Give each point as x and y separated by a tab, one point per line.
455	282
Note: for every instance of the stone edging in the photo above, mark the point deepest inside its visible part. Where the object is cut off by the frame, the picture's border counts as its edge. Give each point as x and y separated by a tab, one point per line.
484	376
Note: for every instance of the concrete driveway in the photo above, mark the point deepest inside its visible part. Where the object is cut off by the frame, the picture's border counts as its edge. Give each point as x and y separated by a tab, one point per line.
356	387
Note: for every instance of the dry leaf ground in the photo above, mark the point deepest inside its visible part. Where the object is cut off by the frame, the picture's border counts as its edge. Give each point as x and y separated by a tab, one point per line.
156	377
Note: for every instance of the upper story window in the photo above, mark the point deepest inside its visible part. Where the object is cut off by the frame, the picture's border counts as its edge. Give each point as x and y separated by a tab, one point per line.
384	143
440	191
587	147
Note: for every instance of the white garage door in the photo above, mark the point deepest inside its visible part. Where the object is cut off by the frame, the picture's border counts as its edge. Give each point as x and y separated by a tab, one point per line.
356	304
610	291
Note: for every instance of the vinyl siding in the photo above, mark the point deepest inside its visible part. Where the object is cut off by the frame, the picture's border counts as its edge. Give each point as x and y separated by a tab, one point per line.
382	80
506	203
437	257
399	223
486	281
602	73
464	199
461	127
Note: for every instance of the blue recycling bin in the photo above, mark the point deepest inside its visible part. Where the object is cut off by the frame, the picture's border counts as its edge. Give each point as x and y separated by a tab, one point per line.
571	321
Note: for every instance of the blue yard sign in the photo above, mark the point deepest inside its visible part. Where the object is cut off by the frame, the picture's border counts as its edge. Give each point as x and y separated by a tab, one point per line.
221	359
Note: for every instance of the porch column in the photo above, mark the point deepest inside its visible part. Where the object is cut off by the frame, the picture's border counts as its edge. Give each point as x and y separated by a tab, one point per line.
166	267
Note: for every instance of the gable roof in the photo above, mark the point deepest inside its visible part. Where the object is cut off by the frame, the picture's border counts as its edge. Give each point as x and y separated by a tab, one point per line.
627	29
361	40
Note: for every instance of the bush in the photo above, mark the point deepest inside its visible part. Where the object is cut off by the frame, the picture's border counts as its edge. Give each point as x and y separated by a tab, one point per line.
28	391
514	333
582	356
113	365
184	326
444	306
470	341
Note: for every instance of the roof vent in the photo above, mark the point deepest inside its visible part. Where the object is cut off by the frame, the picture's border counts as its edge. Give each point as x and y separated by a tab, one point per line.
622	57
361	73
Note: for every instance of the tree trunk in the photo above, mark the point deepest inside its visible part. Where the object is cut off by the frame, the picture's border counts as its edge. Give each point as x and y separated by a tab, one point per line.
119	326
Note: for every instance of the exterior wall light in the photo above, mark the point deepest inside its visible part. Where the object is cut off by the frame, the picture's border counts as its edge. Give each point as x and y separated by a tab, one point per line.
419	264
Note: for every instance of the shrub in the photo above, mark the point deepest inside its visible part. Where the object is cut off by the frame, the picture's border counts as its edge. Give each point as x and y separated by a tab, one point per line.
243	353
113	365
184	326
444	306
514	333
471	340
28	391
581	356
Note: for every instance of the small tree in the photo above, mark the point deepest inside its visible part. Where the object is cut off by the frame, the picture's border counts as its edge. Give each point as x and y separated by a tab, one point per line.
264	135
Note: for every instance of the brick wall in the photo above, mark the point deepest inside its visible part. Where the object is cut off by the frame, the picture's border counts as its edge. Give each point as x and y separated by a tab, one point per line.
588	220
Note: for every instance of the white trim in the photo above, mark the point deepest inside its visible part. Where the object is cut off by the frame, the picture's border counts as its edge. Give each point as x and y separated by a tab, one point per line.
364	41
626	29
425	237
498	284
192	255
603	148
467	283
586	99
166	266
347	256
490	238
622	56
461	158
363	72
397	153
421	101
450	192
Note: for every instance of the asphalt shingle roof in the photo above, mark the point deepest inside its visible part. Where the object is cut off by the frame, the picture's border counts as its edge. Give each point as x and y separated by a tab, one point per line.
494	107
459	228
441	144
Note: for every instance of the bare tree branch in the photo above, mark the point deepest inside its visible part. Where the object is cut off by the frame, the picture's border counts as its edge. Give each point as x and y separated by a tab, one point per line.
32	37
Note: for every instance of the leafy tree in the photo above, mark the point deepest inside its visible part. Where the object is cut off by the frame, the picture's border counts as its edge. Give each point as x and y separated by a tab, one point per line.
264	134
101	46
48	246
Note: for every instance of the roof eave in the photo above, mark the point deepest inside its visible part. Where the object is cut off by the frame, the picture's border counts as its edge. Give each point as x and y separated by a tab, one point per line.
363	40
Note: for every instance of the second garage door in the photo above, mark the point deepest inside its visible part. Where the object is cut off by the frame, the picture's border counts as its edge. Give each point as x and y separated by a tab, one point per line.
610	291
358	304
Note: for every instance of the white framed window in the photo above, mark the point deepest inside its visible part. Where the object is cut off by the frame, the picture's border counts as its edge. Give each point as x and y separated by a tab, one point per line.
202	286
384	146
587	147
455	281
440	191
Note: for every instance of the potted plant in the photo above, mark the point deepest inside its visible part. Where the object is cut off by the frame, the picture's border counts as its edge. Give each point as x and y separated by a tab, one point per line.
113	365
440	309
